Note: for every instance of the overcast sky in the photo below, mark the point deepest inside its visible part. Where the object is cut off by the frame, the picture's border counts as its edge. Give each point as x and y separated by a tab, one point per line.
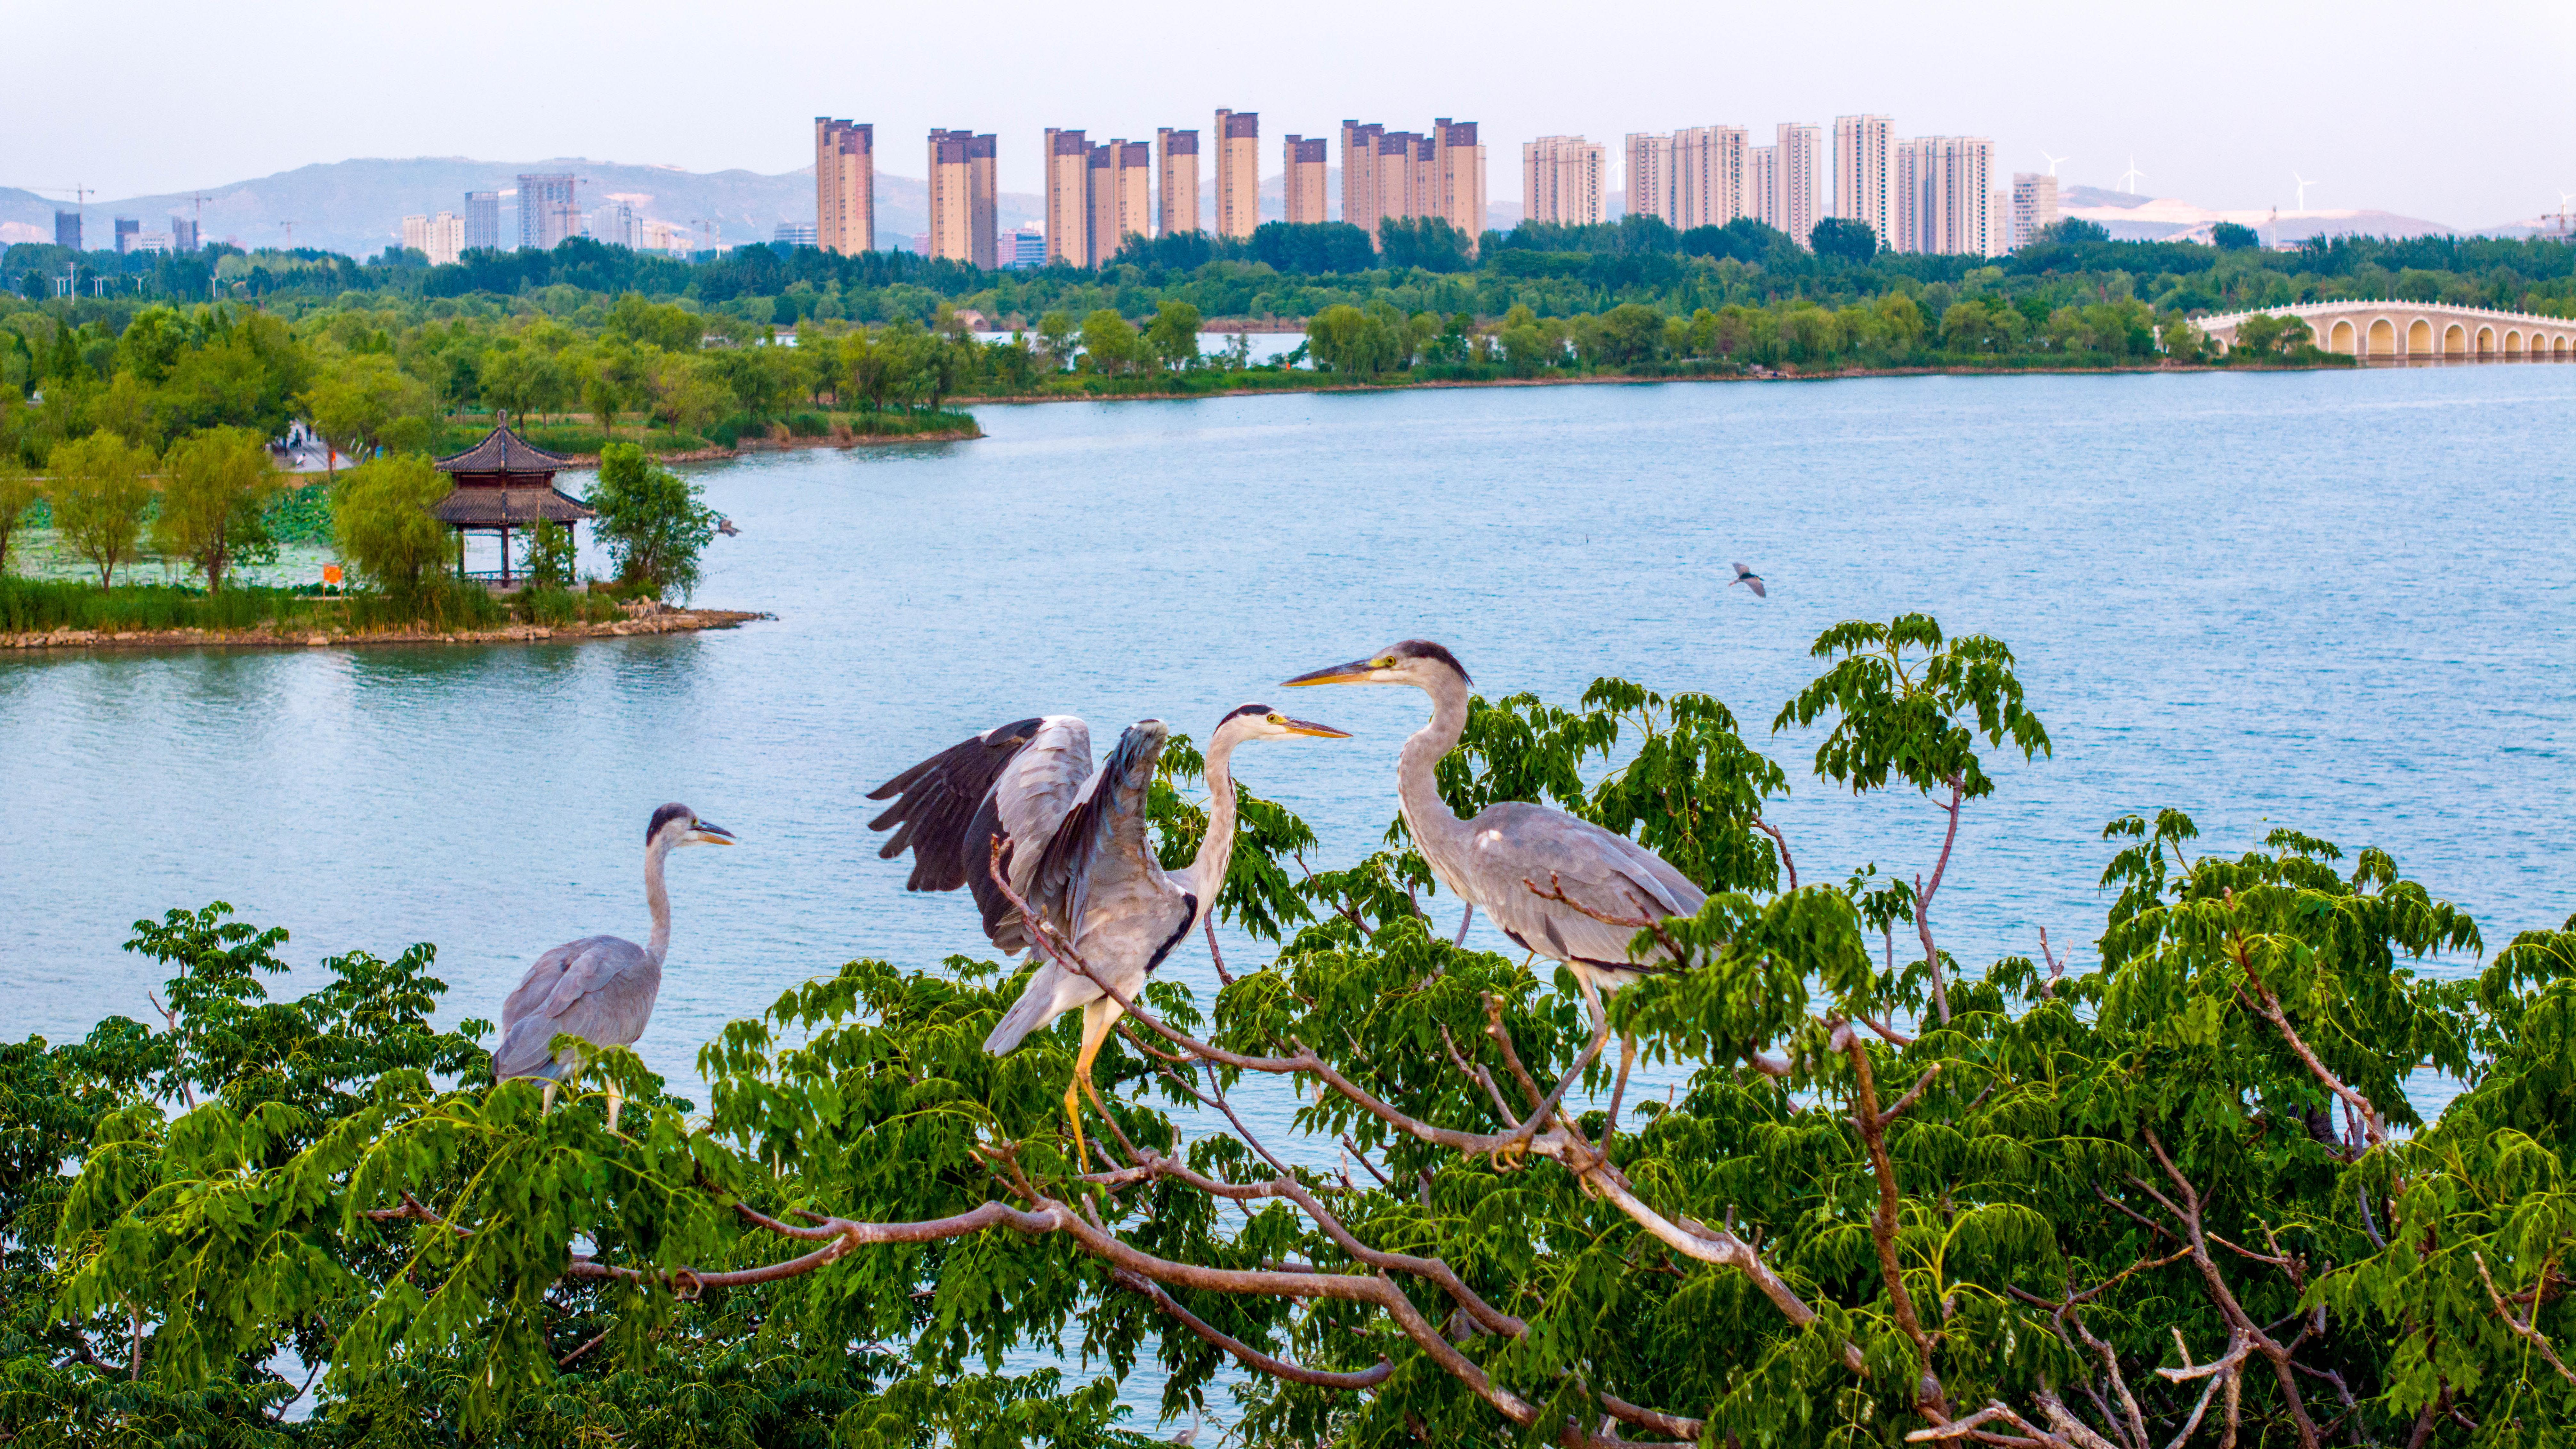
2457	112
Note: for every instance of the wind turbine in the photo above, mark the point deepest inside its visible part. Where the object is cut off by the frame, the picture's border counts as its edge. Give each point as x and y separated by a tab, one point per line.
2052	161
2304	184
2129	179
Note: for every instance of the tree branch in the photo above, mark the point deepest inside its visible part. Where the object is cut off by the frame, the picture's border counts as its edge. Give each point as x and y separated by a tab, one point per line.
2522	1327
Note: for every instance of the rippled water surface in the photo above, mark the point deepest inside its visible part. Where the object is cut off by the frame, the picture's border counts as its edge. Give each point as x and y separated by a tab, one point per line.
2336	600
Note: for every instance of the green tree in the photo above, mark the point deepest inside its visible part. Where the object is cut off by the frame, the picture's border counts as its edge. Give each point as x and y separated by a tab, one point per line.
100	496
1843	239
1172	338
18	493
1056	333
215	492
553	555
651	521
1109	343
365	401
2228	236
381	524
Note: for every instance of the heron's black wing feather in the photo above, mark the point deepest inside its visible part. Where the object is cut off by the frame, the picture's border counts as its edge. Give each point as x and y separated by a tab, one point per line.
1088	830
938	804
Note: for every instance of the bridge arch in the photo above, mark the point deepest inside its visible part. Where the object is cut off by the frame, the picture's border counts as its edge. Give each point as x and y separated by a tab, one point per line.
2512	342
2383	338
2339	338
2455	341
2486	342
2419	338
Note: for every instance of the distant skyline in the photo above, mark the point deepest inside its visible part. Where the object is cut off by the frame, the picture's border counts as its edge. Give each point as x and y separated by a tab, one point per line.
2455	114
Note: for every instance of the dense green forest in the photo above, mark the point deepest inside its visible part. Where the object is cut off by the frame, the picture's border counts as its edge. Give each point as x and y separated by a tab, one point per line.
593	343
2171	1189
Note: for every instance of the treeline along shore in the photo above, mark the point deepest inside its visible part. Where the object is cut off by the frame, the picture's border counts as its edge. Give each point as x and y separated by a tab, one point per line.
587	344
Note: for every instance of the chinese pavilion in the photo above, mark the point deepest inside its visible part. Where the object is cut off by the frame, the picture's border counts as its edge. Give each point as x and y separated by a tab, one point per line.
501	483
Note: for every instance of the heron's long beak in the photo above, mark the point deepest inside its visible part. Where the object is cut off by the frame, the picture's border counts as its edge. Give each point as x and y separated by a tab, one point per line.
704	834
1358	671
1319	731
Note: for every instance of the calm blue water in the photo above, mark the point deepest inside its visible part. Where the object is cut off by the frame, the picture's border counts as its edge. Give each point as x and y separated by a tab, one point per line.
2342	601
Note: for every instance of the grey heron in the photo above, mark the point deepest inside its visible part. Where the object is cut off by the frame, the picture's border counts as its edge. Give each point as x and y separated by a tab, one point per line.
1075	848
1514	856
1749	579
599	988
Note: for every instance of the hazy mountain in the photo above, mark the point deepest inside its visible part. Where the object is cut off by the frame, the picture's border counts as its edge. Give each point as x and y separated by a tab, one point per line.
357	206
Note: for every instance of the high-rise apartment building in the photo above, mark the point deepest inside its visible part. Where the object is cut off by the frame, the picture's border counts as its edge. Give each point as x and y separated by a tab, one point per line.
1068	198
615	223
1762	185
1130	211
127	229
1238	172
1650	176
962	197
1024	248
1796	164
67	229
1561	180
483	221
1359	175
1864	185
183	233
1458	160
1100	185
845	186
1179	178
2034	205
1708	176
440	238
1943	195
547	211
1399	178
1302	184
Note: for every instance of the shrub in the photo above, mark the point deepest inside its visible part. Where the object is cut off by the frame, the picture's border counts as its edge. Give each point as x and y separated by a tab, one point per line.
215	498
100	499
380	514
809	425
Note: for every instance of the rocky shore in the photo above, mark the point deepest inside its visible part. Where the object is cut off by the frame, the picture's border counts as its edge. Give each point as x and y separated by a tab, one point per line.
649	619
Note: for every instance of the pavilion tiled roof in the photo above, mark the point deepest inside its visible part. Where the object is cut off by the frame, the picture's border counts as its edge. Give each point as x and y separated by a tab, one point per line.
504	451
494	507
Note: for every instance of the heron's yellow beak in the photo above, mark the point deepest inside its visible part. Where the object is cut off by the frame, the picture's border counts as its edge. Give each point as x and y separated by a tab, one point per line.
1358	671
1319	731
704	834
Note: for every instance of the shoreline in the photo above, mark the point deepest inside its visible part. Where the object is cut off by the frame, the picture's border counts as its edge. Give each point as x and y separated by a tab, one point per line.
665	621
1631	380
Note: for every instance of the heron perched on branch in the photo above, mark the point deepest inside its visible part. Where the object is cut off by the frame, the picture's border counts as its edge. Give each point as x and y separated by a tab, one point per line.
599	988
1545	877
1023	799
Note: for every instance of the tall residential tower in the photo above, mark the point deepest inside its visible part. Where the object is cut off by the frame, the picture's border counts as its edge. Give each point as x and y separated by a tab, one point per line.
1302	183
1864	185
961	197
1561	180
1179	179
1238	172
845	187
1068	197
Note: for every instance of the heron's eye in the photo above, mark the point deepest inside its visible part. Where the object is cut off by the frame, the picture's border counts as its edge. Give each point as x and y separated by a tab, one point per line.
1386	663
1274	719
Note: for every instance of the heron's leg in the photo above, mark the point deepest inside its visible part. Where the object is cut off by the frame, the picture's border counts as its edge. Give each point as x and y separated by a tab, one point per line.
1097	1018
549	1104
1464	922
616	1099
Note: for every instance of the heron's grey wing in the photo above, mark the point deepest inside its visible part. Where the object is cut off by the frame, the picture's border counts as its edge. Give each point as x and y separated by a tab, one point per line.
1515	845
599	988
1025	807
1100	842
1740	569
1754	582
935	804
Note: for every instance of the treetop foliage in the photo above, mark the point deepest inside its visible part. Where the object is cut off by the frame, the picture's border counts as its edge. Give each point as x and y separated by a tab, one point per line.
2176	1194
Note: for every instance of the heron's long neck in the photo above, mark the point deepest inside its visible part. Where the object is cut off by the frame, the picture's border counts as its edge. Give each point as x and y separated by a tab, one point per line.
1437	831
659	899
1216	848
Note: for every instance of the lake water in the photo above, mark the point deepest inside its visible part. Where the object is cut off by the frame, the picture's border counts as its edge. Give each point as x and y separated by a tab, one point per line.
2342	601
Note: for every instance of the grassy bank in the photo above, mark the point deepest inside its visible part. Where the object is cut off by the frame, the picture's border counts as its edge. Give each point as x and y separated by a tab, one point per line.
29	606
583	438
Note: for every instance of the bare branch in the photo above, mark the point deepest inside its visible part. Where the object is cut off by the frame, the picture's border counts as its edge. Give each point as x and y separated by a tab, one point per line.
1923	904
1767	828
1250	1357
2522	1327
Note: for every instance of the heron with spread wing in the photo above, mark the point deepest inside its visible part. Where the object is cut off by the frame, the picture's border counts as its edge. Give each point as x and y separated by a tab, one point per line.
599	988
1075	848
1514	858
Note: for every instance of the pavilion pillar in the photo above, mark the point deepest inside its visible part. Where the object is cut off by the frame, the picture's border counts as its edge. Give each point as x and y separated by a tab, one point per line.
505	555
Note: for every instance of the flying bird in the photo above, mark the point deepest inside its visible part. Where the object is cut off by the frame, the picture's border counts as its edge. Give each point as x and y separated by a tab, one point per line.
1075	848
1514	855
1749	579
725	526
599	988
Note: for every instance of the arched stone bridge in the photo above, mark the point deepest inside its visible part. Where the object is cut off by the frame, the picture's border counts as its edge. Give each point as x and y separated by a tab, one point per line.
2418	331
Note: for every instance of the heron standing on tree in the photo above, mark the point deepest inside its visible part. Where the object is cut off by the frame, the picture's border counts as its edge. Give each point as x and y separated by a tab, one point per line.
1515	857
599	988
1074	846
